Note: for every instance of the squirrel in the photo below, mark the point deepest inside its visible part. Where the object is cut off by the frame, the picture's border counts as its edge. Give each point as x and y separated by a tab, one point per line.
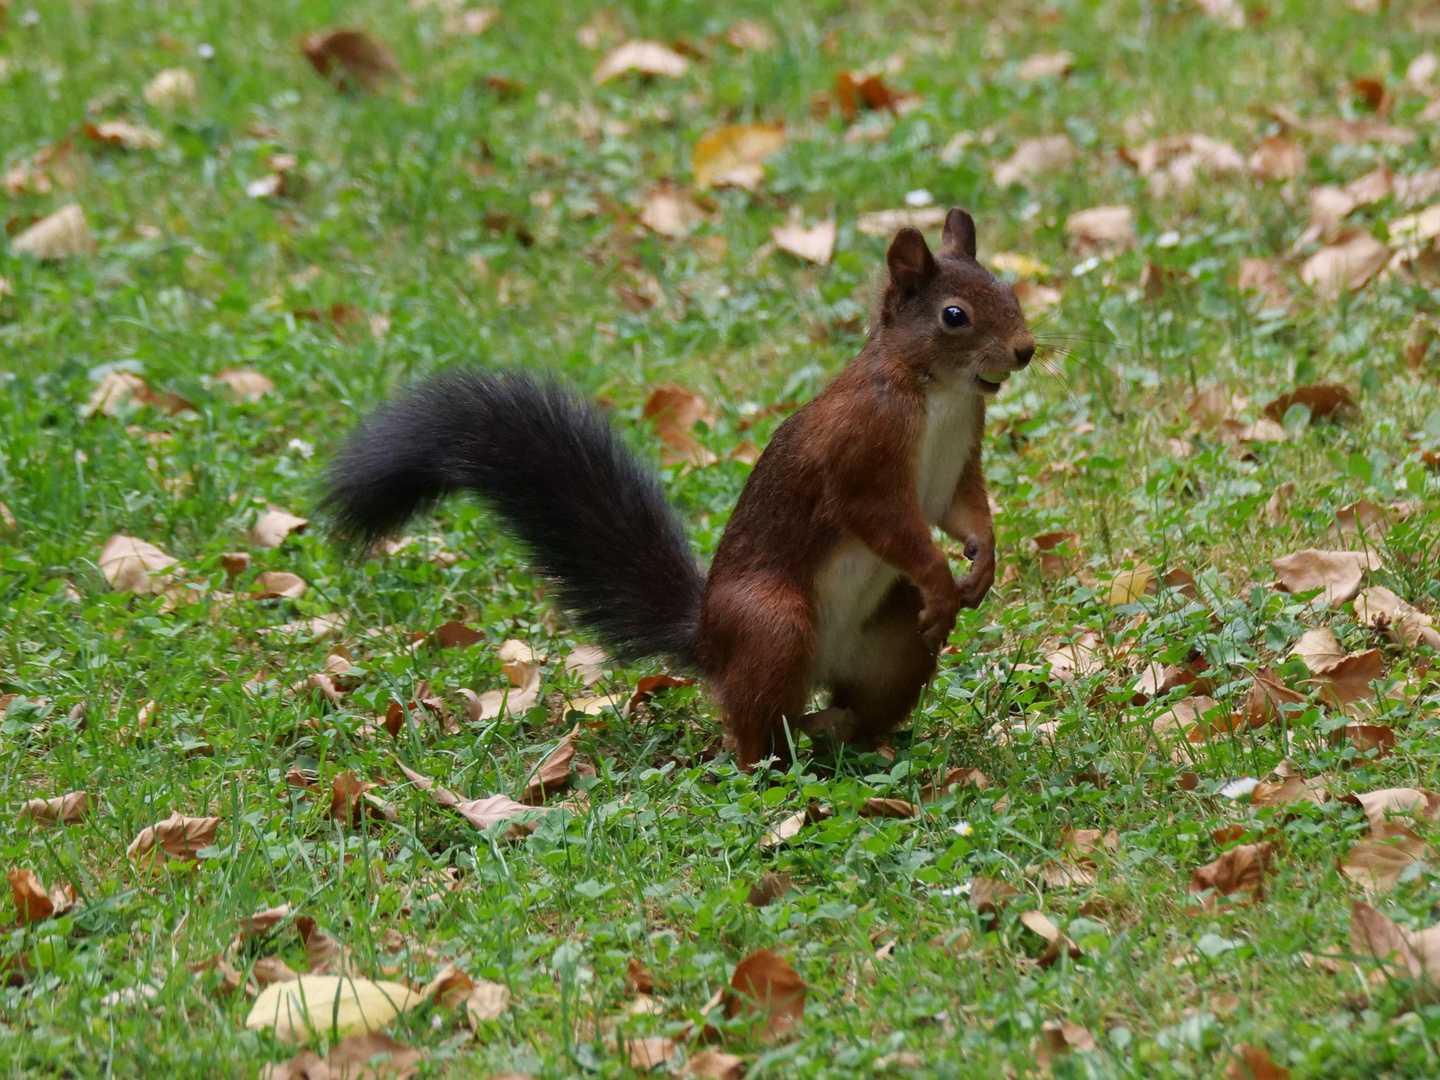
826	574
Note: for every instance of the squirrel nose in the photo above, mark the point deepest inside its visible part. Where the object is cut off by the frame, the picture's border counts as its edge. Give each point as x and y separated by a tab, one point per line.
1023	353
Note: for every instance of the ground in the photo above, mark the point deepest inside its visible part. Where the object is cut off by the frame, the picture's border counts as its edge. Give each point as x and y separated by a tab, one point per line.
490	202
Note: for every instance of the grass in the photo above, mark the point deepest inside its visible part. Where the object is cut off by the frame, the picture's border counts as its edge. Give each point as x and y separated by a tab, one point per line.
430	203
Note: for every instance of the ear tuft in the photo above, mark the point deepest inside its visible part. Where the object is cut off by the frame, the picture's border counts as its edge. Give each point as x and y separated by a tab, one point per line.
959	238
909	258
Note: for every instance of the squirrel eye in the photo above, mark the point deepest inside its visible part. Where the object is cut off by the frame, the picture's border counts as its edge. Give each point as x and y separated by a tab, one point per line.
954	316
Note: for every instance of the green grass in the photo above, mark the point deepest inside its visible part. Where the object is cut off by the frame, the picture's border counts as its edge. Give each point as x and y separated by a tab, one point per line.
394	197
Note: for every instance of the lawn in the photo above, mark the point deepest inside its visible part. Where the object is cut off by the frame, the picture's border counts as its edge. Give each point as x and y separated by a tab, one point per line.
1065	865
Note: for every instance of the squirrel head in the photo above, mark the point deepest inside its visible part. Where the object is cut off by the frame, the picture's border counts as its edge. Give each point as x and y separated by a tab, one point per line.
947	315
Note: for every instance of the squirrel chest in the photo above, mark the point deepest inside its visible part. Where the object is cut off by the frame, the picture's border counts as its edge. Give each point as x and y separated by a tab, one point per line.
853	581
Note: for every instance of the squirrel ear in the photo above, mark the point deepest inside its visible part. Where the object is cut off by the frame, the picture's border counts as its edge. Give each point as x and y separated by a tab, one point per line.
911	263
959	233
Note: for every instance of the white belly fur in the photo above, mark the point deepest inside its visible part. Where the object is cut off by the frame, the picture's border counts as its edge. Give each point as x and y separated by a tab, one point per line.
854	580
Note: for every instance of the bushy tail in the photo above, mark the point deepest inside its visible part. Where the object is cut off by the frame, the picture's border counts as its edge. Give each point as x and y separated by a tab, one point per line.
593	517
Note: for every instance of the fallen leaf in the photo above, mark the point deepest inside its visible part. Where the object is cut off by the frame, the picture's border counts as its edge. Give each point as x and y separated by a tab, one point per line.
274	526
169	88
32	902
1377	865
329	1004
271	969
1034	158
277	584
650	685
133	565
814	245
68	809
675	411
668	211
1291	789
1338	573
482	813
1128	586
125	135
1367	737
1056	943
1238	872
1058	1038
953	779
1102	226
1045	66
1227	13
245	384
553	773
1267	697
487	1001
1279	502
60	235
1254	1063
1319	649
1278	157
885	223
1348	680
712	1064
350	59
1383	805
471	22
262	922
1263	276
1078	657
771	887
1172	164
766	986
374	1056
1014	262
1058	553
645	57
1322	399
1348	262
638	978
177	837
731	156
860	90
456	635
351	801
1380	609
888	808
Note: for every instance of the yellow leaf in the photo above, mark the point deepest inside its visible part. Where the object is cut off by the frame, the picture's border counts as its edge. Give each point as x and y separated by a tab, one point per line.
1129	585
731	155
329	1004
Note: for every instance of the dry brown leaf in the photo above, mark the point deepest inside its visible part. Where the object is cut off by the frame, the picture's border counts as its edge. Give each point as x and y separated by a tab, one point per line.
278	584
1291	789
245	384
1055	942
1238	872
1263	276
668	211
262	922
350	59
1254	1063
1338	573
885	223
1381	609
766	986
1267	697
61	235
169	88
638	978
1383	805
1102	226
1059	551
274	526
177	837
1172	164
481	813
32	902
487	1001
68	809
858	90
1128	586
747	34
456	635
125	135
731	156
1367	737
553	773
372	1056
712	1064
1377	865
649	685
1278	157
133	565
1346	263
471	22
815	245
888	808
646	1052
1045	66
588	663
1058	1038
953	779
770	887
1035	158
1078	657
1348	680
1319	649
675	411
271	969
1322	399
324	953
351	801
1212	406
1361	517
644	57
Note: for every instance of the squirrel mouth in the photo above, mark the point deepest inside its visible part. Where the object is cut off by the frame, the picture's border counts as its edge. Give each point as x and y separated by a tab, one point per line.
989	382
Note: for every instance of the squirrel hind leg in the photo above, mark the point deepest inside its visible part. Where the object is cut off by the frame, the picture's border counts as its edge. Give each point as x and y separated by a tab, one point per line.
891	671
762	680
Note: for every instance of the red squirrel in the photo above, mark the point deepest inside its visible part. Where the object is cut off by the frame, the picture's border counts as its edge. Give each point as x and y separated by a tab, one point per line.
826	575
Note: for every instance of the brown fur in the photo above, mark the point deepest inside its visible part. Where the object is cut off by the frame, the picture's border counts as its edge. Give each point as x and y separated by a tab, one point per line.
844	468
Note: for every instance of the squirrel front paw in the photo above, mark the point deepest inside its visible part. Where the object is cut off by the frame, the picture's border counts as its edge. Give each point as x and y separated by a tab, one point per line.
974	585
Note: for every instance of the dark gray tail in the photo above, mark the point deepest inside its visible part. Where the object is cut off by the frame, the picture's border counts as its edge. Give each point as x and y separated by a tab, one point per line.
594	518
